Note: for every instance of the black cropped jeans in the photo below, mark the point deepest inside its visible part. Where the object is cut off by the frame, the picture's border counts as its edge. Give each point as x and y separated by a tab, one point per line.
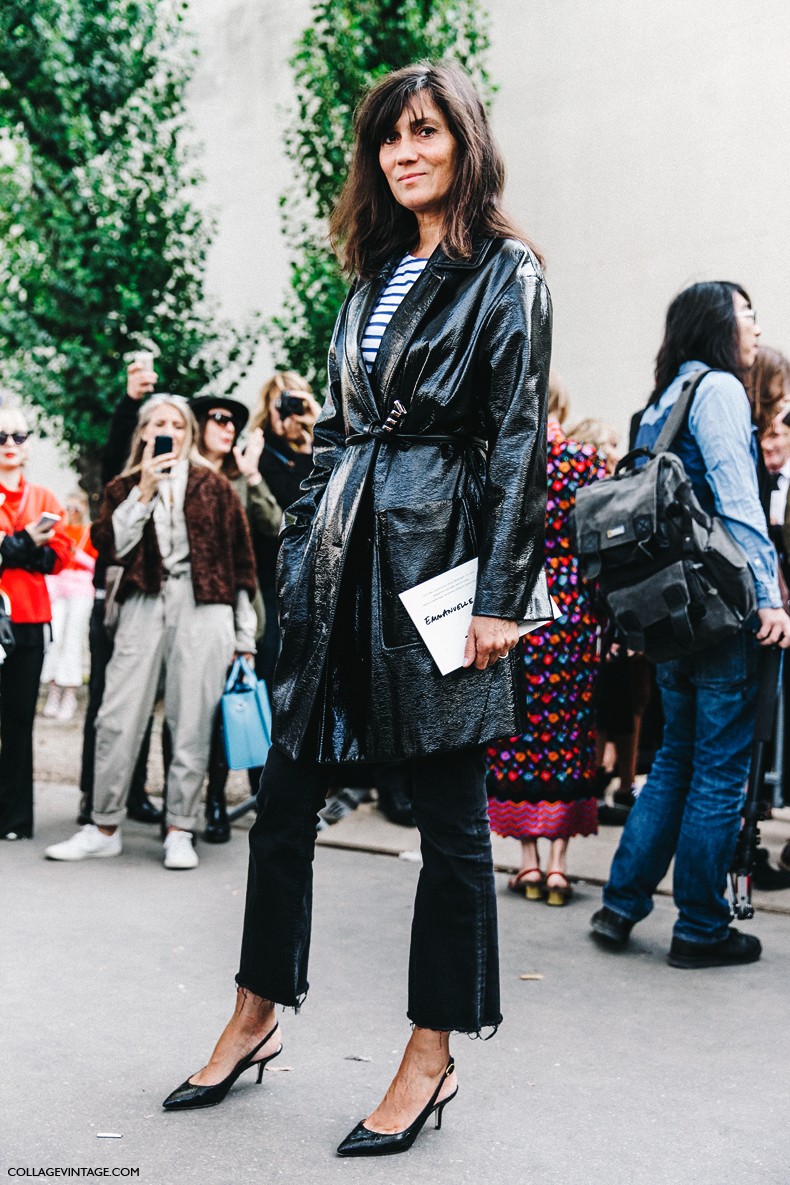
454	959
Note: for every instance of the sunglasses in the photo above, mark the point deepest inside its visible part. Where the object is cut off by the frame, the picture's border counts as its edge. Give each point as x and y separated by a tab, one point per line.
221	417
17	437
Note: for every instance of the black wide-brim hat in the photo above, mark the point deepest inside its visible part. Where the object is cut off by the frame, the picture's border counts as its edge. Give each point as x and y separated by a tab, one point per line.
203	404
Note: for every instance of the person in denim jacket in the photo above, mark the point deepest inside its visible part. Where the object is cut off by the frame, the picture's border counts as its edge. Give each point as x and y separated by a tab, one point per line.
690	806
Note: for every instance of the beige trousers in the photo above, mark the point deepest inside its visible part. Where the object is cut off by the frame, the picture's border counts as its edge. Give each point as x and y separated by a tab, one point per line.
193	645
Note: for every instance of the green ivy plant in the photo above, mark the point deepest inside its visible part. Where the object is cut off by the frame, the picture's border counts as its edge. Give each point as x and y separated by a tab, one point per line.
348	45
102	246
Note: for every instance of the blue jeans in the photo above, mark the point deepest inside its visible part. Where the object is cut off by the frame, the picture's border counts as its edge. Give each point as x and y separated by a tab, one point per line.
690	806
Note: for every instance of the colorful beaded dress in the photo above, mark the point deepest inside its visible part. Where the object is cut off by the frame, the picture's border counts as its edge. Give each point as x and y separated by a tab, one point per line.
543	783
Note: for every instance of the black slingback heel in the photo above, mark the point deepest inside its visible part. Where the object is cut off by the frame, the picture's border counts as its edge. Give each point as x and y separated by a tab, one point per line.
364	1142
190	1095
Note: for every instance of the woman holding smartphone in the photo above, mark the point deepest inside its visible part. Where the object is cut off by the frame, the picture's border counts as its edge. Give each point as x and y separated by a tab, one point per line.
179	531
33	546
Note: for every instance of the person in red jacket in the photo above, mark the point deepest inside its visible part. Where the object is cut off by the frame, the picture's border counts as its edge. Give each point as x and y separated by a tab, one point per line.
29	549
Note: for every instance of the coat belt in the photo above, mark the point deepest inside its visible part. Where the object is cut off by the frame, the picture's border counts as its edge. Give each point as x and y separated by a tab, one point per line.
402	440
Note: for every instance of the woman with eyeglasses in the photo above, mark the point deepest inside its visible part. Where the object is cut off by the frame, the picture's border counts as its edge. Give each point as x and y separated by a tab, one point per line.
220	422
33	544
179	531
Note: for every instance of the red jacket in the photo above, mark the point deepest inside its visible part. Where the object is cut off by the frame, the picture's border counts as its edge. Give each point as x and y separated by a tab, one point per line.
27	591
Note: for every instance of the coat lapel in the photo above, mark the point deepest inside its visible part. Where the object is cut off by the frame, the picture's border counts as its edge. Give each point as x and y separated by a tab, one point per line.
400	331
359	310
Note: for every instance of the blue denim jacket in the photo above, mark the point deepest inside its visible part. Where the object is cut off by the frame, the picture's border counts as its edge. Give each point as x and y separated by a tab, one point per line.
718	447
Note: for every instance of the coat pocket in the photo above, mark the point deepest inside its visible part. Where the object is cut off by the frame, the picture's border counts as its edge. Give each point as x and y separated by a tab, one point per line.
414	544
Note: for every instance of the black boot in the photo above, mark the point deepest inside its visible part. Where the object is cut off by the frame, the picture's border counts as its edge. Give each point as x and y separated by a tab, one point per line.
765	877
217	825
140	808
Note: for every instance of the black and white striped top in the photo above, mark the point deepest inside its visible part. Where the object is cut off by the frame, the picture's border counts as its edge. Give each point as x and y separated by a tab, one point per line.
405	274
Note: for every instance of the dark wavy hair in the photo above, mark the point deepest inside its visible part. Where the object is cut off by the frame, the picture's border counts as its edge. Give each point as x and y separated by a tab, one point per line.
701	327
368	225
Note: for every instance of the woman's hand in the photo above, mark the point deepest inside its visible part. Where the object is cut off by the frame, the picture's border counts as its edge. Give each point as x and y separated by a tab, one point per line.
247	460
298	430
488	640
152	470
40	535
774	628
139	381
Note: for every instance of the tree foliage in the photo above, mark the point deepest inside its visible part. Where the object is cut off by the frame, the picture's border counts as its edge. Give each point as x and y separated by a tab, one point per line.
348	45
102	245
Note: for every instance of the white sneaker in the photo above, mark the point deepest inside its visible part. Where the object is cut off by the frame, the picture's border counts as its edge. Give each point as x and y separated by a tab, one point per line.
52	706
179	852
68	705
89	842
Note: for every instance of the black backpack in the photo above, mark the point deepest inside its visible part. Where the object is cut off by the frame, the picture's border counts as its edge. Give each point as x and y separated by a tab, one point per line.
672	579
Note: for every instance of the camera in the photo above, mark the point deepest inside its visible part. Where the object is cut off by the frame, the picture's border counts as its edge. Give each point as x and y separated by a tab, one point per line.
290	405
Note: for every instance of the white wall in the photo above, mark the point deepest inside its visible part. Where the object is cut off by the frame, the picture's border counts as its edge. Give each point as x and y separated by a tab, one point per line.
647	149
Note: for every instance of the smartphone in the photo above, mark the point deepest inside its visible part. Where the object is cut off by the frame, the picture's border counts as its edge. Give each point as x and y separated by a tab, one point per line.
290	405
46	520
162	445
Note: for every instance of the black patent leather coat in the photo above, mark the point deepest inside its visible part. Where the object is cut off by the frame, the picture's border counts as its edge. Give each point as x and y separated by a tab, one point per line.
467	353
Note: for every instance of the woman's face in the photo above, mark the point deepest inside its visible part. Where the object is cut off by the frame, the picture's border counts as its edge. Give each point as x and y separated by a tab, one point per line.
75	512
748	330
13	454
166	420
219	435
418	158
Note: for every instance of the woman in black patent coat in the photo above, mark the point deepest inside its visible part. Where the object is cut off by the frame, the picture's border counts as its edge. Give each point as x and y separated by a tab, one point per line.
458	471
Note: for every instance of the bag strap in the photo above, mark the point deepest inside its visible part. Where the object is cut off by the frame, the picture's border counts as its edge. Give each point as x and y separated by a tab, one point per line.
233	675
677	417
241	672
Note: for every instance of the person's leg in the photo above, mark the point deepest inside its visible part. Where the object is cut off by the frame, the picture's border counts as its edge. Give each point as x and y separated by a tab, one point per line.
75	628
200	644
50	671
100	646
217	826
277	921
558	856
131	682
19	684
650	835
726	685
138	805
454	959
529	878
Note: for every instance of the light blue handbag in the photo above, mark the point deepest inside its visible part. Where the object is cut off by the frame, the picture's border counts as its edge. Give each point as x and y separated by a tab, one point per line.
246	718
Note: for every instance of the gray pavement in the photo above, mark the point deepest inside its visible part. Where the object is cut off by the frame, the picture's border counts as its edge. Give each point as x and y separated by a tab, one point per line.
611	1068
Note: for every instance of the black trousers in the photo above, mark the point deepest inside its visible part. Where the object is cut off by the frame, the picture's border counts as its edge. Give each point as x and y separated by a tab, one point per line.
101	647
454	959
20	675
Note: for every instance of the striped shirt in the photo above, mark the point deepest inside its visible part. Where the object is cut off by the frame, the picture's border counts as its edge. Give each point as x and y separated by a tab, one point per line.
408	270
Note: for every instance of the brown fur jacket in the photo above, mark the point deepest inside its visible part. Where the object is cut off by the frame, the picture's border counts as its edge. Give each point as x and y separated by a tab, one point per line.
219	541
